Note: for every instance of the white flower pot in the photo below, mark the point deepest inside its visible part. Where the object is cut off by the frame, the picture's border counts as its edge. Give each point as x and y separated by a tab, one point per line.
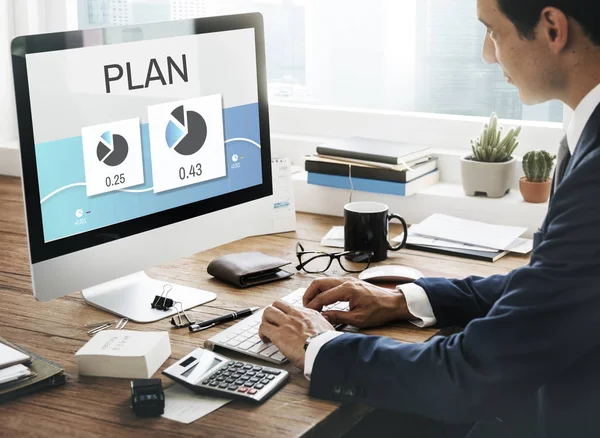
490	179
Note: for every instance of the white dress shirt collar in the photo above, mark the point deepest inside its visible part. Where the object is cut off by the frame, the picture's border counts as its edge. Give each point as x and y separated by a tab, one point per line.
581	117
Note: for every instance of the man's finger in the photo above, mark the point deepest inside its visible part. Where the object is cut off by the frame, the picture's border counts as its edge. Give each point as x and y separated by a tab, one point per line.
339	317
266	330
319	286
338	293
274	316
283	306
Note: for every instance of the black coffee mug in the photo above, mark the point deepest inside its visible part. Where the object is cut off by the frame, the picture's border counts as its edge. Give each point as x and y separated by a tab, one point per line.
366	227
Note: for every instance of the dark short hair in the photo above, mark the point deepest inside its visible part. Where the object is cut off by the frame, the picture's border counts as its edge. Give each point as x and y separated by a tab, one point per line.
526	14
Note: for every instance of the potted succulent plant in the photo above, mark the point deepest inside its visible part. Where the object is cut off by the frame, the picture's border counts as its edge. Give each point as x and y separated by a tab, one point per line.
536	184
490	170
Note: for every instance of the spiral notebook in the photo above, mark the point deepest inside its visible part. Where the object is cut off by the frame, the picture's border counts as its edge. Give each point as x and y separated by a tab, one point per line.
44	374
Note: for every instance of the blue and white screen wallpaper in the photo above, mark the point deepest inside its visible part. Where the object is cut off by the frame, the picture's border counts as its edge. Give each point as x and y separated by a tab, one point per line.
126	130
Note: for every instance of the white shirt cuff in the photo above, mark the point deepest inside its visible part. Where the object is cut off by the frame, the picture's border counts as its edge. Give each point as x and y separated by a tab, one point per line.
313	350
418	305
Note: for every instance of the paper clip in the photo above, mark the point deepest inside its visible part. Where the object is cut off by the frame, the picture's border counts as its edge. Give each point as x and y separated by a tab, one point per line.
97	324
179	323
99	328
161	302
121	324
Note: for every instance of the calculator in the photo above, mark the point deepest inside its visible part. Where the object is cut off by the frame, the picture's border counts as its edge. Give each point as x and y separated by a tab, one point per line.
206	372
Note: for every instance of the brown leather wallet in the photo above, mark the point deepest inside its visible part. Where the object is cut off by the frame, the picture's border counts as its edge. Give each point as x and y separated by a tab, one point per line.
247	269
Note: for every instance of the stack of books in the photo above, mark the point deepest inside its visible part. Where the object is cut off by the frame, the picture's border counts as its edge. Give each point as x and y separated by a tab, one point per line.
373	166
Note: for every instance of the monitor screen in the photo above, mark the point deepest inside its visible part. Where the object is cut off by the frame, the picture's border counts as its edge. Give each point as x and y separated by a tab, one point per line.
126	130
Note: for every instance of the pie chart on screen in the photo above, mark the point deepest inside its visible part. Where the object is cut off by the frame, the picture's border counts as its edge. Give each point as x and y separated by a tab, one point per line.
186	131
112	149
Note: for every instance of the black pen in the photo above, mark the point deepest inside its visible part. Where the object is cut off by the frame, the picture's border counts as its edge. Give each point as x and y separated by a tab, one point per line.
226	318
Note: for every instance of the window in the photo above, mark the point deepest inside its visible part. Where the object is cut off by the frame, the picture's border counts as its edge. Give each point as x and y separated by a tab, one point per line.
402	55
19	17
8	124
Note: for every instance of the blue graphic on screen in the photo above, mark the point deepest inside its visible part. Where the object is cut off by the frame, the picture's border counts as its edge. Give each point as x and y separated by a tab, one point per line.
186	131
67	210
112	150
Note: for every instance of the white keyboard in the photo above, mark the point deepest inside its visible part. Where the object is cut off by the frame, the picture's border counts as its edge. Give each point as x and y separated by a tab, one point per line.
243	336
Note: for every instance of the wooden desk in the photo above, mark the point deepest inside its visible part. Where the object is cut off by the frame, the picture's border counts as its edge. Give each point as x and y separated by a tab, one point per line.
100	406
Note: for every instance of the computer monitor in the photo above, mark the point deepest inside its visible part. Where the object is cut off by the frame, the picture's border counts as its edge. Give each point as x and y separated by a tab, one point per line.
139	145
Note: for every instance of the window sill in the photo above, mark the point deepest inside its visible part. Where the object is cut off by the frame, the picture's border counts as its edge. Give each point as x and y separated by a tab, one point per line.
447	198
10	161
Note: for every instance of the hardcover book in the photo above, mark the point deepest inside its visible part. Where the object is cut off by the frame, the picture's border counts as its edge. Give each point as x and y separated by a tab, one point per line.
374	150
375	186
327	166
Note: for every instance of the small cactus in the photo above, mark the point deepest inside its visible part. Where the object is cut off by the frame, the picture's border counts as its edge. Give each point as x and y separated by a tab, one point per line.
490	147
537	166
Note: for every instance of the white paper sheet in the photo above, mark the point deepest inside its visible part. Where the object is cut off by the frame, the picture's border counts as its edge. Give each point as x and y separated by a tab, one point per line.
521	246
430	241
14	373
334	238
476	233
185	406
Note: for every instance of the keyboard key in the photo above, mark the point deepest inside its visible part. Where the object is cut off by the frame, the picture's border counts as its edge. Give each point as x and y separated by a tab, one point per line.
250	373
227	374
255	339
230	380
223	385
238	364
252	391
243	389
254	380
269	351
239	382
213	384
278	356
265	381
206	382
270	377
259	386
257	368
244	378
246	345
259	347
260	375
247	367
271	371
236	376
221	378
234	343
232	388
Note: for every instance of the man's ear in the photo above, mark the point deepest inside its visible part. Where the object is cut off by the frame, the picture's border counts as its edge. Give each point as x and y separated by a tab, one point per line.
554	27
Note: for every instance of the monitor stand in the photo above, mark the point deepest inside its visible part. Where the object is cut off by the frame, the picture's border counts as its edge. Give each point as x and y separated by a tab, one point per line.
131	297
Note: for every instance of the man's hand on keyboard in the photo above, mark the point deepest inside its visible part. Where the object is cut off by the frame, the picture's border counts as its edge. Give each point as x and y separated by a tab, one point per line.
369	305
288	327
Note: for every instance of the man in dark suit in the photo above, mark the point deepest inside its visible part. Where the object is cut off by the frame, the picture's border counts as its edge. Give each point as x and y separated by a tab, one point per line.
528	360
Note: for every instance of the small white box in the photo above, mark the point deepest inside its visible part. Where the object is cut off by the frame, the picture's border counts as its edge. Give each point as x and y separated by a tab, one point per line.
124	354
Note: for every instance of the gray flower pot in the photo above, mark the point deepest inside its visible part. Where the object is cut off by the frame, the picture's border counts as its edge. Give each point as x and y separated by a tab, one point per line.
490	179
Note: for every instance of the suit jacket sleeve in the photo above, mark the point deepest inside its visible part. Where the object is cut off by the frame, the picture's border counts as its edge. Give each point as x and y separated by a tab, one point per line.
458	302
546	319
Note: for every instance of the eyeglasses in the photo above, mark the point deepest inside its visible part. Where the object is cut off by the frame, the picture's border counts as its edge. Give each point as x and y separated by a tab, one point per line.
316	262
